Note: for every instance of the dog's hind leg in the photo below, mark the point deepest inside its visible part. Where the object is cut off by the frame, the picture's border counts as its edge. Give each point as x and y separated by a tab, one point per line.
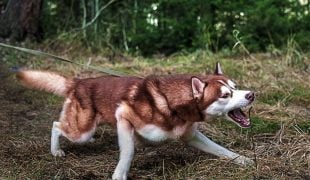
200	141
56	133
57	130
125	133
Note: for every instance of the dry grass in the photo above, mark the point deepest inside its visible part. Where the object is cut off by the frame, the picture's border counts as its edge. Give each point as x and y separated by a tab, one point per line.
279	140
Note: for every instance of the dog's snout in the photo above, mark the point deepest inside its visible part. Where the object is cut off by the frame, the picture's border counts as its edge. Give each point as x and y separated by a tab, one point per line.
250	96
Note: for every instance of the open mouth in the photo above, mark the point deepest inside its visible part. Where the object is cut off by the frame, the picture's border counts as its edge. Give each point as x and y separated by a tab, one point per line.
239	117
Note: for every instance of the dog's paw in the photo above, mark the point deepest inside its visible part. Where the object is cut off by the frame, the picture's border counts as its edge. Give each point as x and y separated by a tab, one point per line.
119	176
92	140
244	161
58	153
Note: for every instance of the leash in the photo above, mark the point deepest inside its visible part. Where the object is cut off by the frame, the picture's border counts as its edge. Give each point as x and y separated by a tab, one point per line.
47	55
253	143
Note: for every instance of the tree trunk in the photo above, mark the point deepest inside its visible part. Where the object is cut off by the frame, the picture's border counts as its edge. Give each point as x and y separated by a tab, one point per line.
21	19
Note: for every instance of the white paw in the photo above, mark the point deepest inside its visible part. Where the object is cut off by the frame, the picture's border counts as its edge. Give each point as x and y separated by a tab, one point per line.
92	140
58	153
119	176
244	161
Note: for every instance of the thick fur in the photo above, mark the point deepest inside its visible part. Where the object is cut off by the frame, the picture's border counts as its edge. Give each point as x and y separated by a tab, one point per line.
47	81
164	101
156	108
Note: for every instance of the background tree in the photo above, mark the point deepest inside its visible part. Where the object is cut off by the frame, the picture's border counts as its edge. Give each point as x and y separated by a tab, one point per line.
162	26
20	19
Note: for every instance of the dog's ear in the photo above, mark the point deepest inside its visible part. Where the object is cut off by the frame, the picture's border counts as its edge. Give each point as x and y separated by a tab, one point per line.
218	69
197	87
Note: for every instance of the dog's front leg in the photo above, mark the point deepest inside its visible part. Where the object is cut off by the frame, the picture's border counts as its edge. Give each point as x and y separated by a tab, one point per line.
125	134
200	141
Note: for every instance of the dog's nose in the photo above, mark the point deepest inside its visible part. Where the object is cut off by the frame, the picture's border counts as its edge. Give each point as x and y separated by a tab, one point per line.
250	96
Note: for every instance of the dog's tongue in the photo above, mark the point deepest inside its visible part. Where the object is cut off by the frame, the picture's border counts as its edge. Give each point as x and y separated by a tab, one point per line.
239	117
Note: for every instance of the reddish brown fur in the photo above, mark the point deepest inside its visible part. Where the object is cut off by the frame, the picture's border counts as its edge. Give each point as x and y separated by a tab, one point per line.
48	81
165	101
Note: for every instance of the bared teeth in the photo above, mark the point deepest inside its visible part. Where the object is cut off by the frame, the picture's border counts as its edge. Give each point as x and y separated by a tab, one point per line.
239	117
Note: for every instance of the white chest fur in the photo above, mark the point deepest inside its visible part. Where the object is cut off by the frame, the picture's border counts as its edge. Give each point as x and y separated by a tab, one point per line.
156	134
153	133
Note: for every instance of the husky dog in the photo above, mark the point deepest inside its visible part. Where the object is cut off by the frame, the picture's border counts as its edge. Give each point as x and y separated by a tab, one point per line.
155	108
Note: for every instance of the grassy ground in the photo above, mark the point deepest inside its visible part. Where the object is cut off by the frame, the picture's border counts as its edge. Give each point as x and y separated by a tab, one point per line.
279	140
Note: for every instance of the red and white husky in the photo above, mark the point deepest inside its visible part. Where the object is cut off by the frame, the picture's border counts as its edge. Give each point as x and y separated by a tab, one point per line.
155	108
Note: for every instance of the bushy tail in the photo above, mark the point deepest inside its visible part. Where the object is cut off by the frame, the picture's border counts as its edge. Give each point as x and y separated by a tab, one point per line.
47	81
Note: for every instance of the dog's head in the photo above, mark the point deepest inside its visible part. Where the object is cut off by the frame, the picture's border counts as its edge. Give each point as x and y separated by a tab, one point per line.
217	95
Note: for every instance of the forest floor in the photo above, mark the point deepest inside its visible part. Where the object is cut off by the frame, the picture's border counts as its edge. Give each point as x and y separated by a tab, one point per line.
279	140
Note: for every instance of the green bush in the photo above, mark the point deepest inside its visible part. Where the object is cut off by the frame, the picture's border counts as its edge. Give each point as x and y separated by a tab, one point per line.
167	26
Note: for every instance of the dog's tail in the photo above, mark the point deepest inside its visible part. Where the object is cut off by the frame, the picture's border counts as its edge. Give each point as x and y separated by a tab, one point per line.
47	81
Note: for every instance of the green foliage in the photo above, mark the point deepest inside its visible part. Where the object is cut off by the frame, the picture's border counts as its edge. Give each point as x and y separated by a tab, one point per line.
298	95
303	127
260	125
168	26
272	98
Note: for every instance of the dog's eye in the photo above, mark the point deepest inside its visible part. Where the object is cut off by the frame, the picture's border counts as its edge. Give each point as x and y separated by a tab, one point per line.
225	95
